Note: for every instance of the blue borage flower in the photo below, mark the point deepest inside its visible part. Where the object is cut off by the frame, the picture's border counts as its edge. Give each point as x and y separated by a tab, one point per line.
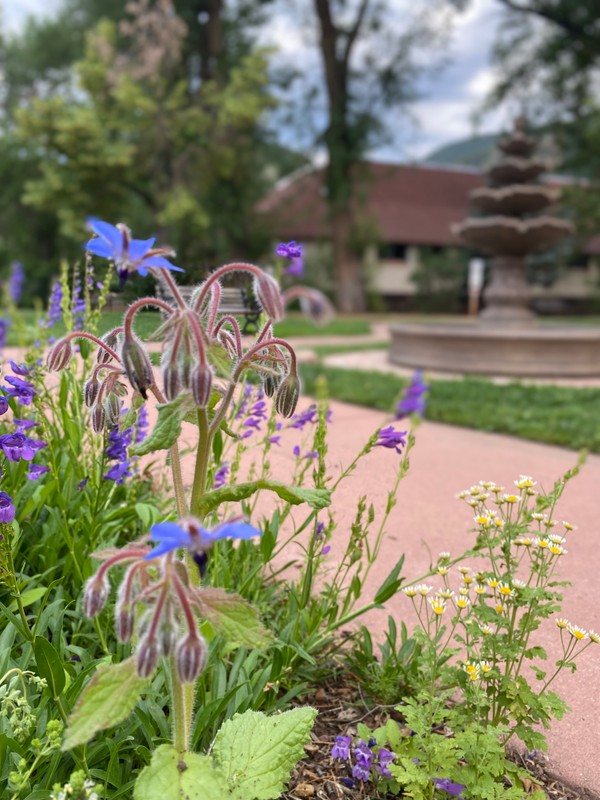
190	534
130	255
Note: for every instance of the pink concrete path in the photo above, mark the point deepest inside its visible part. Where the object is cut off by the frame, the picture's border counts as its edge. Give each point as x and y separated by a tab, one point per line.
429	519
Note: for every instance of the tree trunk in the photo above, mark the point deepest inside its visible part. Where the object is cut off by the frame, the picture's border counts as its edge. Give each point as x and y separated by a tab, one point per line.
347	268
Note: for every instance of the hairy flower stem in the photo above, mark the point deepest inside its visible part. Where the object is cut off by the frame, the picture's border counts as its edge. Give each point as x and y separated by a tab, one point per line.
175	460
141	303
183	706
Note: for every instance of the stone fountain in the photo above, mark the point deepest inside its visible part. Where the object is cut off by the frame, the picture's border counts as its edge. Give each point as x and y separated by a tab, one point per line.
505	339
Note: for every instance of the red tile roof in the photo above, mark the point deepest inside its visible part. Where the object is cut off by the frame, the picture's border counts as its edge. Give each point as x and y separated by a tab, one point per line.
407	204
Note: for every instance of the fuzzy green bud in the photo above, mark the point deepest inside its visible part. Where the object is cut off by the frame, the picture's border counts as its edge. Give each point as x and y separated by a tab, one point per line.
90	392
268	295
98	418
60	355
192	654
95	595
287	395
137	366
147	656
270	384
201	384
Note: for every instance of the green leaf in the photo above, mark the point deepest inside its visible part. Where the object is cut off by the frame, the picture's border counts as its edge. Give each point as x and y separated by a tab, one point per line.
31	595
108	699
234	618
49	666
170	776
258	753
167	428
391	584
316	498
147	513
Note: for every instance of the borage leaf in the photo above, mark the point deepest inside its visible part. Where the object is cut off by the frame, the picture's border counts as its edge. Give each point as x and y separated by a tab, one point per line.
316	498
171	776
258	753
167	428
108	699
234	618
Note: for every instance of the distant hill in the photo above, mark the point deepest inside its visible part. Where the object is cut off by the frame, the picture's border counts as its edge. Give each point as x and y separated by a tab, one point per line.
472	152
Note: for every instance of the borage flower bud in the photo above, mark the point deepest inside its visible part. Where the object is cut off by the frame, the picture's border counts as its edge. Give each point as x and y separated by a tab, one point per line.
98	418
171	381
95	595
270	384
137	366
124	621
287	395
201	382
90	392
147	656
113	408
268	295
60	355
192	654
110	339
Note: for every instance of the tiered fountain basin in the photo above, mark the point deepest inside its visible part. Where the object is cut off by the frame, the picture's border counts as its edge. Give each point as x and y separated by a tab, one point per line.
536	351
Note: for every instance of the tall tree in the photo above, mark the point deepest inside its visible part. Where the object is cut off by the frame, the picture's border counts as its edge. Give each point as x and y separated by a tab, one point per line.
370	59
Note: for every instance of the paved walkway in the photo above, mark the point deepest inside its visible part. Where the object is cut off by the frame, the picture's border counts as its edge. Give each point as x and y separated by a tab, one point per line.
428	519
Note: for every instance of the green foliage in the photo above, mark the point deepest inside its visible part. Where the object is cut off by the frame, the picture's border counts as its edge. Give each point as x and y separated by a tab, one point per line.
252	759
440	280
108	699
257	753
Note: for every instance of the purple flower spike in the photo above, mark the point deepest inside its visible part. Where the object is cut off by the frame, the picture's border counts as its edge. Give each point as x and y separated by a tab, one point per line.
3	404
385	758
391	438
341	748
446	785
7	509
289	250
130	255
118	472
191	535
22	390
296	268
414	399
221	474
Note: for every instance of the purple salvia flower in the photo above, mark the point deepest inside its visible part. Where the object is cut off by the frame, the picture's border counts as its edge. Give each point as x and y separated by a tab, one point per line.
118	443
35	470
25	424
15	281
142	424
78	305
20	369
385	759
304	418
289	250
3	404
16	446
3	326
391	438
244	402
7	509
296	451
341	748
118	472
272	439
54	307
22	390
221	474
414	399
446	785
296	268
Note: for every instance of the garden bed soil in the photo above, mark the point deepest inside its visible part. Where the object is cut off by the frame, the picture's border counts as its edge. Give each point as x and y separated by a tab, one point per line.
341	707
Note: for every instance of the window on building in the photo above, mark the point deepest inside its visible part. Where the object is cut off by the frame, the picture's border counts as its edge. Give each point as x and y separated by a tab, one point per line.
395	250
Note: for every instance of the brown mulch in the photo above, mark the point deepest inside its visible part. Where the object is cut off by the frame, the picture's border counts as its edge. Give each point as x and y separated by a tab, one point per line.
341	707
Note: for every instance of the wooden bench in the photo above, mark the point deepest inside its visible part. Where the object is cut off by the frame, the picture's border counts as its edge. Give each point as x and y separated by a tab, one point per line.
235	300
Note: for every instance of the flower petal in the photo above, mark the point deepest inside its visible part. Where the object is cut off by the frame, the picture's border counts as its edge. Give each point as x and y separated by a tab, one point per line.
138	248
100	247
159	261
234	530
107	231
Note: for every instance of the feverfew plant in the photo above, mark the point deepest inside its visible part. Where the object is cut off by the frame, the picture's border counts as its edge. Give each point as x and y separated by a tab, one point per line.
480	681
160	597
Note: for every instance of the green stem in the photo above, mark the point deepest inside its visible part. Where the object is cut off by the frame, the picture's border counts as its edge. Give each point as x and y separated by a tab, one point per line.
182	709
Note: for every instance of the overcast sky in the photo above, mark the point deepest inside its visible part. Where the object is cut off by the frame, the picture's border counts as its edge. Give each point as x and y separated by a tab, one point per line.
446	111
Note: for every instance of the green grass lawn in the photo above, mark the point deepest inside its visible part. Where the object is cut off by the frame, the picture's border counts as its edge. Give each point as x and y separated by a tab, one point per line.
146	322
340	326
553	414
